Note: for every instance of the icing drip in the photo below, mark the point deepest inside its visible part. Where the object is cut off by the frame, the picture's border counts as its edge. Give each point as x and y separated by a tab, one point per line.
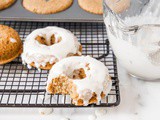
96	81
42	53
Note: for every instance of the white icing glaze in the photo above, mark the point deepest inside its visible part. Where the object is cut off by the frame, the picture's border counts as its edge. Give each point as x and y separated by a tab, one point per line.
13	40
97	77
40	54
45	111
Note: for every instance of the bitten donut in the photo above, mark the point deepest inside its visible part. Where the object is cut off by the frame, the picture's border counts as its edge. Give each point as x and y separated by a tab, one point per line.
6	3
44	47
46	6
10	44
86	80
92	6
118	6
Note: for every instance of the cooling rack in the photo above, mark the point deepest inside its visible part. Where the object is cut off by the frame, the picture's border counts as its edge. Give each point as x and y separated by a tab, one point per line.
21	87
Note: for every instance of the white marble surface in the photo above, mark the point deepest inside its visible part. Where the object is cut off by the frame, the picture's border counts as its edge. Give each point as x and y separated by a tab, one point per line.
139	101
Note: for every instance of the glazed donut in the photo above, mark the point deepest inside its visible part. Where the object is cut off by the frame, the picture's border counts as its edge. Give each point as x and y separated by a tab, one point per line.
44	47
118	6
85	79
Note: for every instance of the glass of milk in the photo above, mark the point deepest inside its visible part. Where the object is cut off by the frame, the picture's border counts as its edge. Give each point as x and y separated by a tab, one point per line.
133	28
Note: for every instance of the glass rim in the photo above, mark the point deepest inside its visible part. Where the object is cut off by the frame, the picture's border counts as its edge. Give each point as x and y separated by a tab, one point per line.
127	27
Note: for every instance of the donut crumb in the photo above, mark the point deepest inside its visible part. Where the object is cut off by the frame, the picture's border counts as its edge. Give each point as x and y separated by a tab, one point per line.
59	85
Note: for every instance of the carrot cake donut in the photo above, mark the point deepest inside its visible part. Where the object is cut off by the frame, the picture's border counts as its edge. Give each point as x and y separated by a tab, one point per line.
6	3
84	78
92	6
10	44
44	47
46	6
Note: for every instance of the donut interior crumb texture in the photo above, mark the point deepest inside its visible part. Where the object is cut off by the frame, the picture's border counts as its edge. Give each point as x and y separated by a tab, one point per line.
6	3
64	85
46	6
92	6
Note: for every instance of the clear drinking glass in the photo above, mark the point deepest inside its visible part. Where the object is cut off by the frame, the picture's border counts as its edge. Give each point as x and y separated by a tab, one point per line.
133	28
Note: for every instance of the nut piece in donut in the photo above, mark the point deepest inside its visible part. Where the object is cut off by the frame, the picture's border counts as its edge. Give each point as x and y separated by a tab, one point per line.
46	6
10	44
44	47
118	6
92	6
85	79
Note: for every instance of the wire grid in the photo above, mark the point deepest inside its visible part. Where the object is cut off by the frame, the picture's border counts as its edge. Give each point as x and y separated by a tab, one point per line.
21	87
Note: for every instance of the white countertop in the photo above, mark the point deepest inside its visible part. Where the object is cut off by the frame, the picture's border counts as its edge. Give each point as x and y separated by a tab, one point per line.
139	101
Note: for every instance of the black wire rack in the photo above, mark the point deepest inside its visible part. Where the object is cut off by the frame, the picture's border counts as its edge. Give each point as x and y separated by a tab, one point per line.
21	87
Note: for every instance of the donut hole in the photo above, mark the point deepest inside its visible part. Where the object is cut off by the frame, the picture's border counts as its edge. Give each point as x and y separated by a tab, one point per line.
51	41
78	74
